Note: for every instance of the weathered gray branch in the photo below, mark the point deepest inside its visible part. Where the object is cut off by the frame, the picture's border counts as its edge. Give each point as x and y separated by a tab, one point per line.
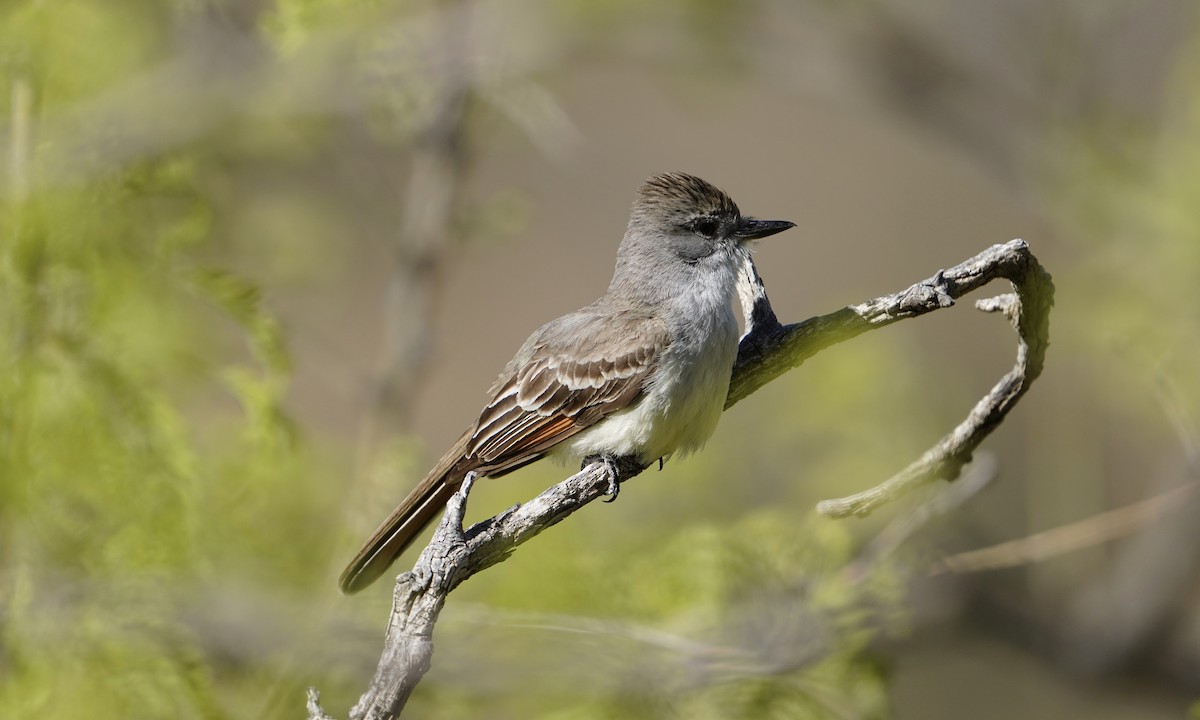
452	556
767	350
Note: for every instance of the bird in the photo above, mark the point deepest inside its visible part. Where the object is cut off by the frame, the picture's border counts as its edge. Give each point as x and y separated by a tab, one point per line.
642	372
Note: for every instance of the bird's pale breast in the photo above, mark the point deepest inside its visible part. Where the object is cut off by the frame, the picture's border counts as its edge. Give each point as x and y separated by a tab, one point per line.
684	399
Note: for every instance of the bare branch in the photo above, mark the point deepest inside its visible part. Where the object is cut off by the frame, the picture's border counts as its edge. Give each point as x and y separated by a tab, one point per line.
315	712
451	557
1150	572
765	355
1145	574
978	475
1100	527
766	351
1089	532
19	138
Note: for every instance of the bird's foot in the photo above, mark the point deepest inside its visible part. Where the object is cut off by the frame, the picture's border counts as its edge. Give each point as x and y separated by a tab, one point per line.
614	474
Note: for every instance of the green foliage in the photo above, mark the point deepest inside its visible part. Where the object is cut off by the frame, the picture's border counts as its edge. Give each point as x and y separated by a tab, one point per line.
778	598
113	506
130	482
73	48
293	22
764	617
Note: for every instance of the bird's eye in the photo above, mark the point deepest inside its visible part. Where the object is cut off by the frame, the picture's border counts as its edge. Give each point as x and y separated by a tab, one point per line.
706	226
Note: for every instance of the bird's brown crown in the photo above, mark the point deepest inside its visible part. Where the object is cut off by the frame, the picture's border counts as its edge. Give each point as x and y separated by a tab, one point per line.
679	195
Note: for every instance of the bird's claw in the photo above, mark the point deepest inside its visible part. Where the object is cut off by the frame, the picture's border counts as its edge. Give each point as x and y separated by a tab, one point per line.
614	474
614	485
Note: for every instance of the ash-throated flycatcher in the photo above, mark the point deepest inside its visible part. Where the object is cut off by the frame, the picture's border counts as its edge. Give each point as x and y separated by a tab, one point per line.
643	371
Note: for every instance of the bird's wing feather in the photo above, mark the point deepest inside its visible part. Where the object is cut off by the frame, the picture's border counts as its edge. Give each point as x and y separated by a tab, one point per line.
571	374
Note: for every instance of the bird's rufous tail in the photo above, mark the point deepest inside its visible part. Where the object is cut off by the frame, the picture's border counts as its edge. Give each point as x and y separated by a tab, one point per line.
423	504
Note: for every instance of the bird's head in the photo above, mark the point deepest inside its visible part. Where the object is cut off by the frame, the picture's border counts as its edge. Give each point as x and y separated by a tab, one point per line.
695	218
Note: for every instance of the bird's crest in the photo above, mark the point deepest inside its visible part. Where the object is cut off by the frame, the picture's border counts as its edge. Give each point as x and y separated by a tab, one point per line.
680	194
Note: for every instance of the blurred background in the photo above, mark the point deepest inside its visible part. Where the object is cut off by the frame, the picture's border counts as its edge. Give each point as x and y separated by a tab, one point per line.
259	262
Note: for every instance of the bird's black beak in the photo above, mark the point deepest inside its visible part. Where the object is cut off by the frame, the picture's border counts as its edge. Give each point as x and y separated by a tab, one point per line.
751	229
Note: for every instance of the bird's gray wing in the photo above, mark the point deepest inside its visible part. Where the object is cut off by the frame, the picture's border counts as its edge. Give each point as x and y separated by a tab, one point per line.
570	374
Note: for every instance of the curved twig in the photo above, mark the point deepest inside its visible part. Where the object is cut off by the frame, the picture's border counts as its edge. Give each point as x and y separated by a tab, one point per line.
1028	309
